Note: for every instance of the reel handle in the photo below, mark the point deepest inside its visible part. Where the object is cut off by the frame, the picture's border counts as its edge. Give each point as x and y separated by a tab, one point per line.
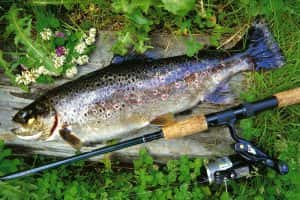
278	165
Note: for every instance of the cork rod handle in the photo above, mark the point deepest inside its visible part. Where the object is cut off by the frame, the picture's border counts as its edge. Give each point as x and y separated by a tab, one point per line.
288	97
185	127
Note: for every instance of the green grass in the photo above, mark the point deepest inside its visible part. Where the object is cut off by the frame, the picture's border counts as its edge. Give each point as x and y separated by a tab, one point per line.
276	131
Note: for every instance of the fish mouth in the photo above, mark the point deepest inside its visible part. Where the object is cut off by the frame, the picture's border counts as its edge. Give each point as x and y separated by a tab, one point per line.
23	134
30	137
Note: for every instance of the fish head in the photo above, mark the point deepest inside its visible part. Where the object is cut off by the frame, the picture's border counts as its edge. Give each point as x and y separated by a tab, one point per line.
36	121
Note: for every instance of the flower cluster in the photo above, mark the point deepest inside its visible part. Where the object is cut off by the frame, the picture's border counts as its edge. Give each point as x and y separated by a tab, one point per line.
79	48
92	37
61	50
81	60
58	61
46	34
71	72
43	71
86	41
27	77
60	56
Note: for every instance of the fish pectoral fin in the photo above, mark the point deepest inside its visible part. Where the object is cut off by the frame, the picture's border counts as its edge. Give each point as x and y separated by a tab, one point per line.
67	135
222	95
163	120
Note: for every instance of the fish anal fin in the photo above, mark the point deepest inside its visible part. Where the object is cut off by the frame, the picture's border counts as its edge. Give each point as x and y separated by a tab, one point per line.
163	120
221	95
67	135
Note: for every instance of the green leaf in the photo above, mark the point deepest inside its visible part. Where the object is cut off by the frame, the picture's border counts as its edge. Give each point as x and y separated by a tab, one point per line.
44	79
123	43
225	196
127	6
214	40
138	18
144	5
206	190
45	19
121	6
5	65
179	7
244	2
58	41
193	46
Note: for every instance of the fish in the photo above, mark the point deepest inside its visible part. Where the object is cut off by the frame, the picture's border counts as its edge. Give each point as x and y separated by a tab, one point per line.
127	96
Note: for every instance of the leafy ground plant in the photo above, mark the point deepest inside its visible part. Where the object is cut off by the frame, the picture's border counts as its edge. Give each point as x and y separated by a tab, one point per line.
46	48
135	20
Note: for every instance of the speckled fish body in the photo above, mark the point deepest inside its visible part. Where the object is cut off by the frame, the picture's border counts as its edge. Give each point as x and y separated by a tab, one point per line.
129	96
124	97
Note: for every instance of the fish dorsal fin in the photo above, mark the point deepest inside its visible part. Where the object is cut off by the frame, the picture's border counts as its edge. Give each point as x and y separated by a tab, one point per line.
163	120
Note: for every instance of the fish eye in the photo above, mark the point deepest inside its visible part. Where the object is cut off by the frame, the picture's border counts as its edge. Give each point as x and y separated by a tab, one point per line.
23	114
21	117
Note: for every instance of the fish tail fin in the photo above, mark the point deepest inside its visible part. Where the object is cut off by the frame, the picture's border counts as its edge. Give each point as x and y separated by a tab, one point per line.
263	49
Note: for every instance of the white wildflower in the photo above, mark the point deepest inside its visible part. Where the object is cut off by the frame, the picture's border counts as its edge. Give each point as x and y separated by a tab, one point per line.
34	73
79	48
21	80
58	61
46	34
82	60
71	72
92	32
43	71
90	40
27	77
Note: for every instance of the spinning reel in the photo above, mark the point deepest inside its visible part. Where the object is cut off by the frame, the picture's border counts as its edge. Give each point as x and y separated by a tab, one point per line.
247	156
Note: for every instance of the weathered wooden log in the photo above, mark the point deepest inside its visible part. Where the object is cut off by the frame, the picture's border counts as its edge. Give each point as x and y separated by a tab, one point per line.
214	142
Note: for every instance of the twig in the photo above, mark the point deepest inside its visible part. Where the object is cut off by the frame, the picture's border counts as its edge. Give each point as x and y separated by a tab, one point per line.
236	35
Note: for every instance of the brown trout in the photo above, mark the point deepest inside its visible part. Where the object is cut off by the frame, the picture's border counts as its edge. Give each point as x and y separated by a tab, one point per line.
123	97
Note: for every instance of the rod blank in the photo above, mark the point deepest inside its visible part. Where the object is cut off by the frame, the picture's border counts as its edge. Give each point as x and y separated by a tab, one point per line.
127	143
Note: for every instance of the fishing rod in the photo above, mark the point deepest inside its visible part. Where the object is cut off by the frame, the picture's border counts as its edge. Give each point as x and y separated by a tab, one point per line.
222	169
